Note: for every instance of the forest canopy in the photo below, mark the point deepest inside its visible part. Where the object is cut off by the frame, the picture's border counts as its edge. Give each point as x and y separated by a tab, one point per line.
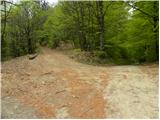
126	32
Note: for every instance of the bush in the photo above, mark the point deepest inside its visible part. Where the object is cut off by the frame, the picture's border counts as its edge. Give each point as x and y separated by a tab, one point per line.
127	53
150	53
114	52
134	52
100	54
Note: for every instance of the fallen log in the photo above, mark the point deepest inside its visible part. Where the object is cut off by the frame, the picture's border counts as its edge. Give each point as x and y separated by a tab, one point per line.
31	57
60	91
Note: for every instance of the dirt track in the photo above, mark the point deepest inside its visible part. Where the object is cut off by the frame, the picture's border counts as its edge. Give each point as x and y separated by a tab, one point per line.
55	86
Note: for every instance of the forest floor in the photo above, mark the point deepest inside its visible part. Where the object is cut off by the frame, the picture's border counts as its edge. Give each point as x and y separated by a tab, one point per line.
54	86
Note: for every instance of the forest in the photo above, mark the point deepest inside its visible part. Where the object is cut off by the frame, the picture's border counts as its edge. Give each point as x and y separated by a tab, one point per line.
123	32
79	59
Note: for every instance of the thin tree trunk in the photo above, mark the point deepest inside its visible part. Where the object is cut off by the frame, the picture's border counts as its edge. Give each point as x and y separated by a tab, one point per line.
156	30
83	36
5	20
100	19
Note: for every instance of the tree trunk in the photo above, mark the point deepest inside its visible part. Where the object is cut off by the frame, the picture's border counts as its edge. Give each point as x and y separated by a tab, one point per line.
156	30
4	27
100	19
83	36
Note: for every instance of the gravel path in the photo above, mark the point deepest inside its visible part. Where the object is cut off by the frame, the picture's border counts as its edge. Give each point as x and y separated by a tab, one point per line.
55	86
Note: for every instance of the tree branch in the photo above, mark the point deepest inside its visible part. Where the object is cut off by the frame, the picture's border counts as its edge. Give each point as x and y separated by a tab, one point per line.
107	7
8	2
136	8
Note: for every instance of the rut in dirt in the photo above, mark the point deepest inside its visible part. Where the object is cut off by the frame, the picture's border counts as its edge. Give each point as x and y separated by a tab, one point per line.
54	86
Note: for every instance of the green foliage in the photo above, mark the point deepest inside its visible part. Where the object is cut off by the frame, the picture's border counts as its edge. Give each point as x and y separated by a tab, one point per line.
150	52
100	54
22	29
134	52
102	31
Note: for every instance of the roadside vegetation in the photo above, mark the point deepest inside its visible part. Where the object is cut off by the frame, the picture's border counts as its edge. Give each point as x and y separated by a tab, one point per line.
119	32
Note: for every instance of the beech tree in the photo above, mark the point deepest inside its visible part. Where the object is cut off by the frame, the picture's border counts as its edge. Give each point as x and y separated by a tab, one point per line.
123	32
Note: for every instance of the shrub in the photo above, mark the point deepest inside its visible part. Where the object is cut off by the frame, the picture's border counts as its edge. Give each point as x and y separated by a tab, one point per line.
100	54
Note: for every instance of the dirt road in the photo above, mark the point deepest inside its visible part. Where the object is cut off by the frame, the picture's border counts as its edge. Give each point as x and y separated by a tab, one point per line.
55	86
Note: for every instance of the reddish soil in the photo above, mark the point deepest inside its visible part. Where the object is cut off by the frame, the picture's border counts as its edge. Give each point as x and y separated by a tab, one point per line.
54	86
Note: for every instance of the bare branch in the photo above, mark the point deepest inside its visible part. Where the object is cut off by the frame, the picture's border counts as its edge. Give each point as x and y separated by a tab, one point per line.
136	8
5	1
